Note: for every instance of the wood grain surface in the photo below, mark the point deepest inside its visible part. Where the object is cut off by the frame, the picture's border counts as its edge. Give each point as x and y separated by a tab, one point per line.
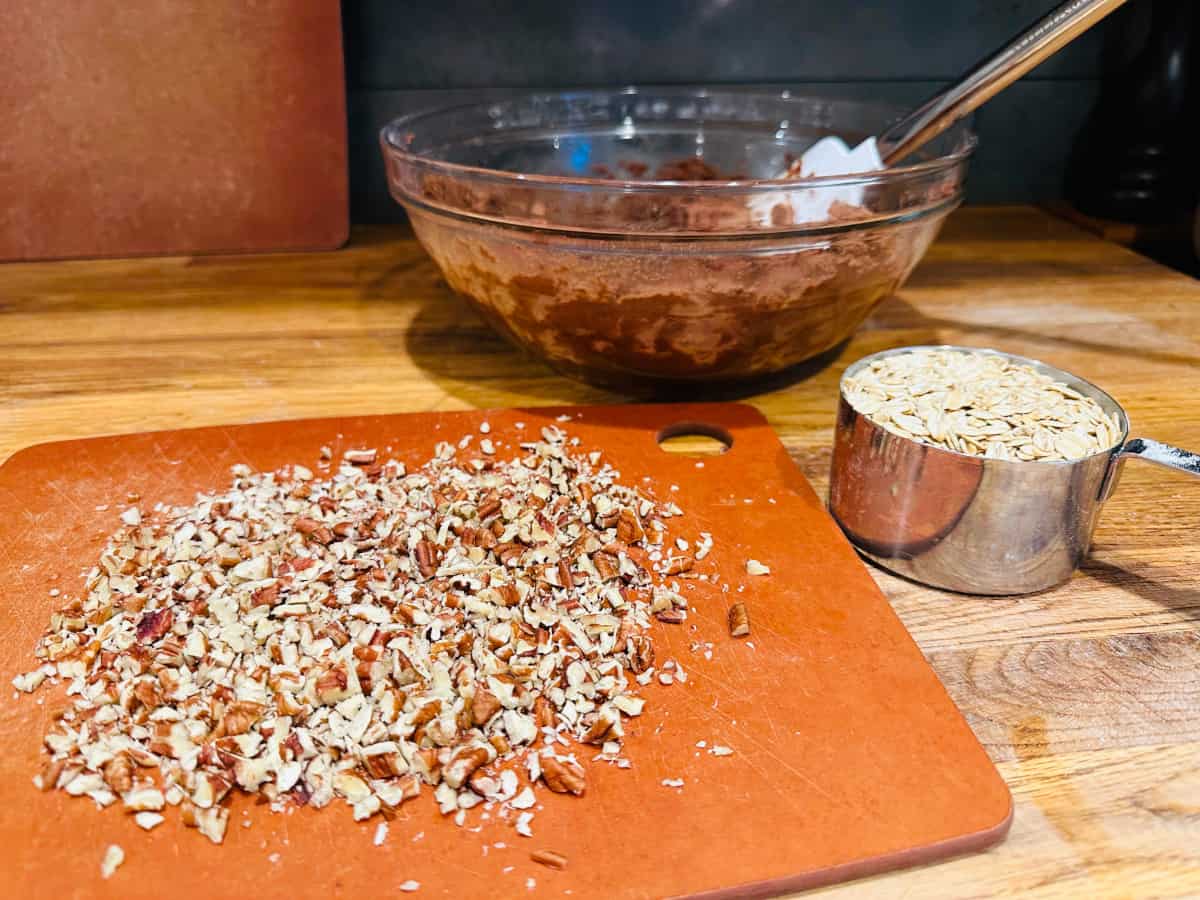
1086	696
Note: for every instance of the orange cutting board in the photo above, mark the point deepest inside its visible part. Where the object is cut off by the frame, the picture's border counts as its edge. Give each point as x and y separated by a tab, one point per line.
849	757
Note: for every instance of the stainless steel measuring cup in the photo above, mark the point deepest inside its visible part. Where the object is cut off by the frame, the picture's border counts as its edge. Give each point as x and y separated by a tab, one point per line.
974	524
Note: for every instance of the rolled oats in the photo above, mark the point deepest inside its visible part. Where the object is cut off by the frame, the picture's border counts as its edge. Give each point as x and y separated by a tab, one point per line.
981	404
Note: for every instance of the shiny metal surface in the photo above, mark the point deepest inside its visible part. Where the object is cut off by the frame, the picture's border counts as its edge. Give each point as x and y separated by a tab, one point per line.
972	524
1162	455
1027	50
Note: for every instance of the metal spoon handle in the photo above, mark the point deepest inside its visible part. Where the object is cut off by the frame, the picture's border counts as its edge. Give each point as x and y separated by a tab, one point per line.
1044	39
1163	455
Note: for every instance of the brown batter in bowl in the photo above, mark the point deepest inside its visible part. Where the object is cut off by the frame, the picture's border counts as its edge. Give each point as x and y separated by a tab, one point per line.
607	310
625	281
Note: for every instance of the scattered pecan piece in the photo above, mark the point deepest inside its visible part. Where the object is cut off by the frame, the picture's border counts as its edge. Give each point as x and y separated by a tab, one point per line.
549	858
563	776
739	620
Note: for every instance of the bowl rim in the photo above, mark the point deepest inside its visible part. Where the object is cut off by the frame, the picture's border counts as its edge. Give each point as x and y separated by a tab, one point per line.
389	132
658	240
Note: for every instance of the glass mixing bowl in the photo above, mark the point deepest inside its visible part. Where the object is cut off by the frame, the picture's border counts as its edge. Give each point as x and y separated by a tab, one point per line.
633	237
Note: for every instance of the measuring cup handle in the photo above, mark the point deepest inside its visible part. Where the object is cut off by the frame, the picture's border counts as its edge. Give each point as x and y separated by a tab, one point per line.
1163	455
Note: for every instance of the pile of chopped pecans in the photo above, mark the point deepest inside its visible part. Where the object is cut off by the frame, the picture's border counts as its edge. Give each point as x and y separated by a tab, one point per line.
359	636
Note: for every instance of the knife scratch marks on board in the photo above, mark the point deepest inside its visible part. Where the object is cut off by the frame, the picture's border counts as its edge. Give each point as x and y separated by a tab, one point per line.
65	496
161	454
717	716
6	548
461	866
776	740
783	764
767	749
232	441
611	808
782	644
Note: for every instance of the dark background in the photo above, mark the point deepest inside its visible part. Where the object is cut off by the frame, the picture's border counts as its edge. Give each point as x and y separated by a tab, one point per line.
404	56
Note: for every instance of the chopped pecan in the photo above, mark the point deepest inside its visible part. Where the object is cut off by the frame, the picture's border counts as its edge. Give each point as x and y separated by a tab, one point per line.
739	620
563	776
509	554
600	727
333	684
385	764
314	530
267	596
549	859
118	773
484	705
154	624
239	718
462	764
500	743
423	556
641	653
543	713
606	565
629	527
677	565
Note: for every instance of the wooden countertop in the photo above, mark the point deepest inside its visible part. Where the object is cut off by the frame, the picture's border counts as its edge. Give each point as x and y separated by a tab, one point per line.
1088	697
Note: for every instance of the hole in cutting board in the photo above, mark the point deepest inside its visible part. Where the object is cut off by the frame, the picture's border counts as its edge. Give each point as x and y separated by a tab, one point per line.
695	439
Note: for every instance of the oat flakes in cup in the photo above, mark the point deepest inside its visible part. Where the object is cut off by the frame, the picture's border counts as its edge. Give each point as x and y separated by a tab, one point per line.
978	471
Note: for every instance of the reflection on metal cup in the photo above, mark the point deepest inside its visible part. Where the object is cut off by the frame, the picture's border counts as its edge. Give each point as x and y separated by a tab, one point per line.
974	524
896	498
